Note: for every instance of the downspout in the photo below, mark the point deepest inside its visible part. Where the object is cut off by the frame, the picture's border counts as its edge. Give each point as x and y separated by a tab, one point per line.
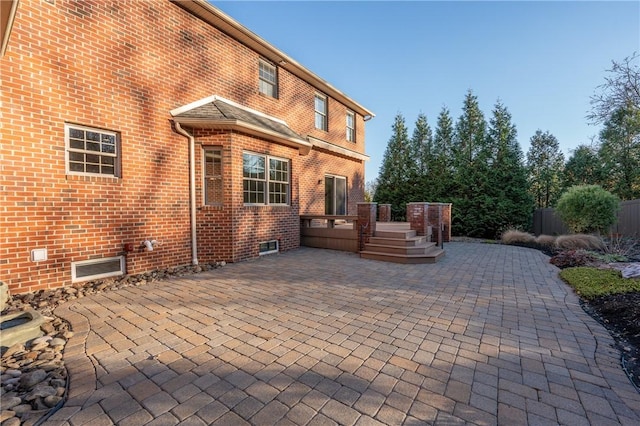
192	191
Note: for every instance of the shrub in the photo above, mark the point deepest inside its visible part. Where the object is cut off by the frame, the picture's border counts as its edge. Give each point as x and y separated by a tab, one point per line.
546	240
588	208
571	259
627	247
579	241
592	282
513	236
609	257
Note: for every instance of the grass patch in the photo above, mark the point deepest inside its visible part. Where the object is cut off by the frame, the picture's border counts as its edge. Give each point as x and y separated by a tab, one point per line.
592	282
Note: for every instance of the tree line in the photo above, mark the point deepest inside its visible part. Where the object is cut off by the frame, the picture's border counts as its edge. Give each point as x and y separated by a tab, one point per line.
480	167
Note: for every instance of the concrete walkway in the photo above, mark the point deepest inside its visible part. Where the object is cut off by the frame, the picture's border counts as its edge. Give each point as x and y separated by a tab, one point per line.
489	335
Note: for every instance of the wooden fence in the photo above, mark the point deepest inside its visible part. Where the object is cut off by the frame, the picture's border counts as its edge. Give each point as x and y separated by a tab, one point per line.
546	222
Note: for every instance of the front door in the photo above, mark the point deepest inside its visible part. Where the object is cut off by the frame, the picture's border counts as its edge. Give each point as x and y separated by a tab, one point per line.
335	195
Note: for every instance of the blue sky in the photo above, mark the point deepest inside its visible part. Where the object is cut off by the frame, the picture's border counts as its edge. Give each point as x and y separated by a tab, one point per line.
541	59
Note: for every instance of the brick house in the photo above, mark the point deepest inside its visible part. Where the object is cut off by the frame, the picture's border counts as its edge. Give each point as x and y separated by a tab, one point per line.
139	135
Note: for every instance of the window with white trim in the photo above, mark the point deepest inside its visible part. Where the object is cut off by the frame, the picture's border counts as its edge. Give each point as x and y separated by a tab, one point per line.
265	179
213	176
320	105
268	79
351	126
91	151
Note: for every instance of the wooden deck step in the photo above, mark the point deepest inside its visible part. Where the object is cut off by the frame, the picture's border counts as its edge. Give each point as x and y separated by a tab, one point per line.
421	248
401	245
403	258
400	242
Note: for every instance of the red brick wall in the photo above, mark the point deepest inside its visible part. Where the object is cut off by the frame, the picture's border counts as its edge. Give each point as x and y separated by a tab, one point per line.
123	66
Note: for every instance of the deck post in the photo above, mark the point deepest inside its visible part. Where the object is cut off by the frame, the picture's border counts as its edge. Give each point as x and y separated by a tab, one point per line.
417	217
446	222
384	213
366	222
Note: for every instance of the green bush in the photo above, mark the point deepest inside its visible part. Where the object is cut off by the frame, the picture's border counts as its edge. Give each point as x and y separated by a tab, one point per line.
588	208
592	282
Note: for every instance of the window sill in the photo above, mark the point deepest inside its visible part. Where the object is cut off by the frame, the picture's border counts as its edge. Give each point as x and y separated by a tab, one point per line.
92	178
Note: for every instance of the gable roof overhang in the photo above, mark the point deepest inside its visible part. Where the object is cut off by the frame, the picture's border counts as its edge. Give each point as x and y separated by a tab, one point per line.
210	14
216	112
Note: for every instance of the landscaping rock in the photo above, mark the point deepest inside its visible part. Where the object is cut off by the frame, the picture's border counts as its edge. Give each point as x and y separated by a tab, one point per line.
631	271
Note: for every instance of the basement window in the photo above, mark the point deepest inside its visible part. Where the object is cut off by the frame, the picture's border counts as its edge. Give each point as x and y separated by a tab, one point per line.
97	268
269	247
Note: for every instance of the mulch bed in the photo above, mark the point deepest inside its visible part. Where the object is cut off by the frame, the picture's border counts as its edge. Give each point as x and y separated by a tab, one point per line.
620	314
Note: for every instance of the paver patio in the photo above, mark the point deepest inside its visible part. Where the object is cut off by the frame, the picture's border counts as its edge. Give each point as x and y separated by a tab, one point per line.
489	335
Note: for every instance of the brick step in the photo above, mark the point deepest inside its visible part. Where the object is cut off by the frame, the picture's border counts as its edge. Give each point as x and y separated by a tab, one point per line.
399	242
422	248
431	257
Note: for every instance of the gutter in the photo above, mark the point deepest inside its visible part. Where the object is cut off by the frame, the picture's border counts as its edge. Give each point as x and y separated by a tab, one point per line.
192	191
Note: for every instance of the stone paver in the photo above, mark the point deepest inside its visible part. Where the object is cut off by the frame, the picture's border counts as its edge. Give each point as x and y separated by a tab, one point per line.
488	335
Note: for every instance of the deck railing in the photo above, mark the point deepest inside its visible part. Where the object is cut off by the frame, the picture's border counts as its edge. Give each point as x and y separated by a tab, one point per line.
330	232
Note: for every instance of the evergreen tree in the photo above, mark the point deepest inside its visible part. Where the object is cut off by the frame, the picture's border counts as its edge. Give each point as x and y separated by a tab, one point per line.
396	167
545	163
421	153
582	168
620	152
508	188
470	163
440	164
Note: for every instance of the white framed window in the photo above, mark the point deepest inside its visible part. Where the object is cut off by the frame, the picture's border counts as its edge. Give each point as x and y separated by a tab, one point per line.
268	247
91	151
212	176
320	105
268	79
265	179
351	126
97	268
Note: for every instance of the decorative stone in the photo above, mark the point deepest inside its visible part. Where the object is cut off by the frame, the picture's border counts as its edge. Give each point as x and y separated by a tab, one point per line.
47	328
13	373
40	392
9	402
22	408
13	349
13	421
32	378
57	342
52	400
6	414
631	271
40	340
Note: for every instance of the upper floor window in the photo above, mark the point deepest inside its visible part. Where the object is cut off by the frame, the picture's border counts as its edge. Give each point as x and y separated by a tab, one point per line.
213	176
268	79
91	151
321	112
351	126
265	179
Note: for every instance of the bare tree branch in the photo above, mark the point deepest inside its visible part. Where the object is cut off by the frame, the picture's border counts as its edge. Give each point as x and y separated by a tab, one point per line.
620	89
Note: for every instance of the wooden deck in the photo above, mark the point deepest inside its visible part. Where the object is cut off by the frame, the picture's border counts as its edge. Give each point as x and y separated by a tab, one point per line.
392	241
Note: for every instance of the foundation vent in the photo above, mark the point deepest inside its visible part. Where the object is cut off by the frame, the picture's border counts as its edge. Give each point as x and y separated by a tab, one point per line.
97	268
